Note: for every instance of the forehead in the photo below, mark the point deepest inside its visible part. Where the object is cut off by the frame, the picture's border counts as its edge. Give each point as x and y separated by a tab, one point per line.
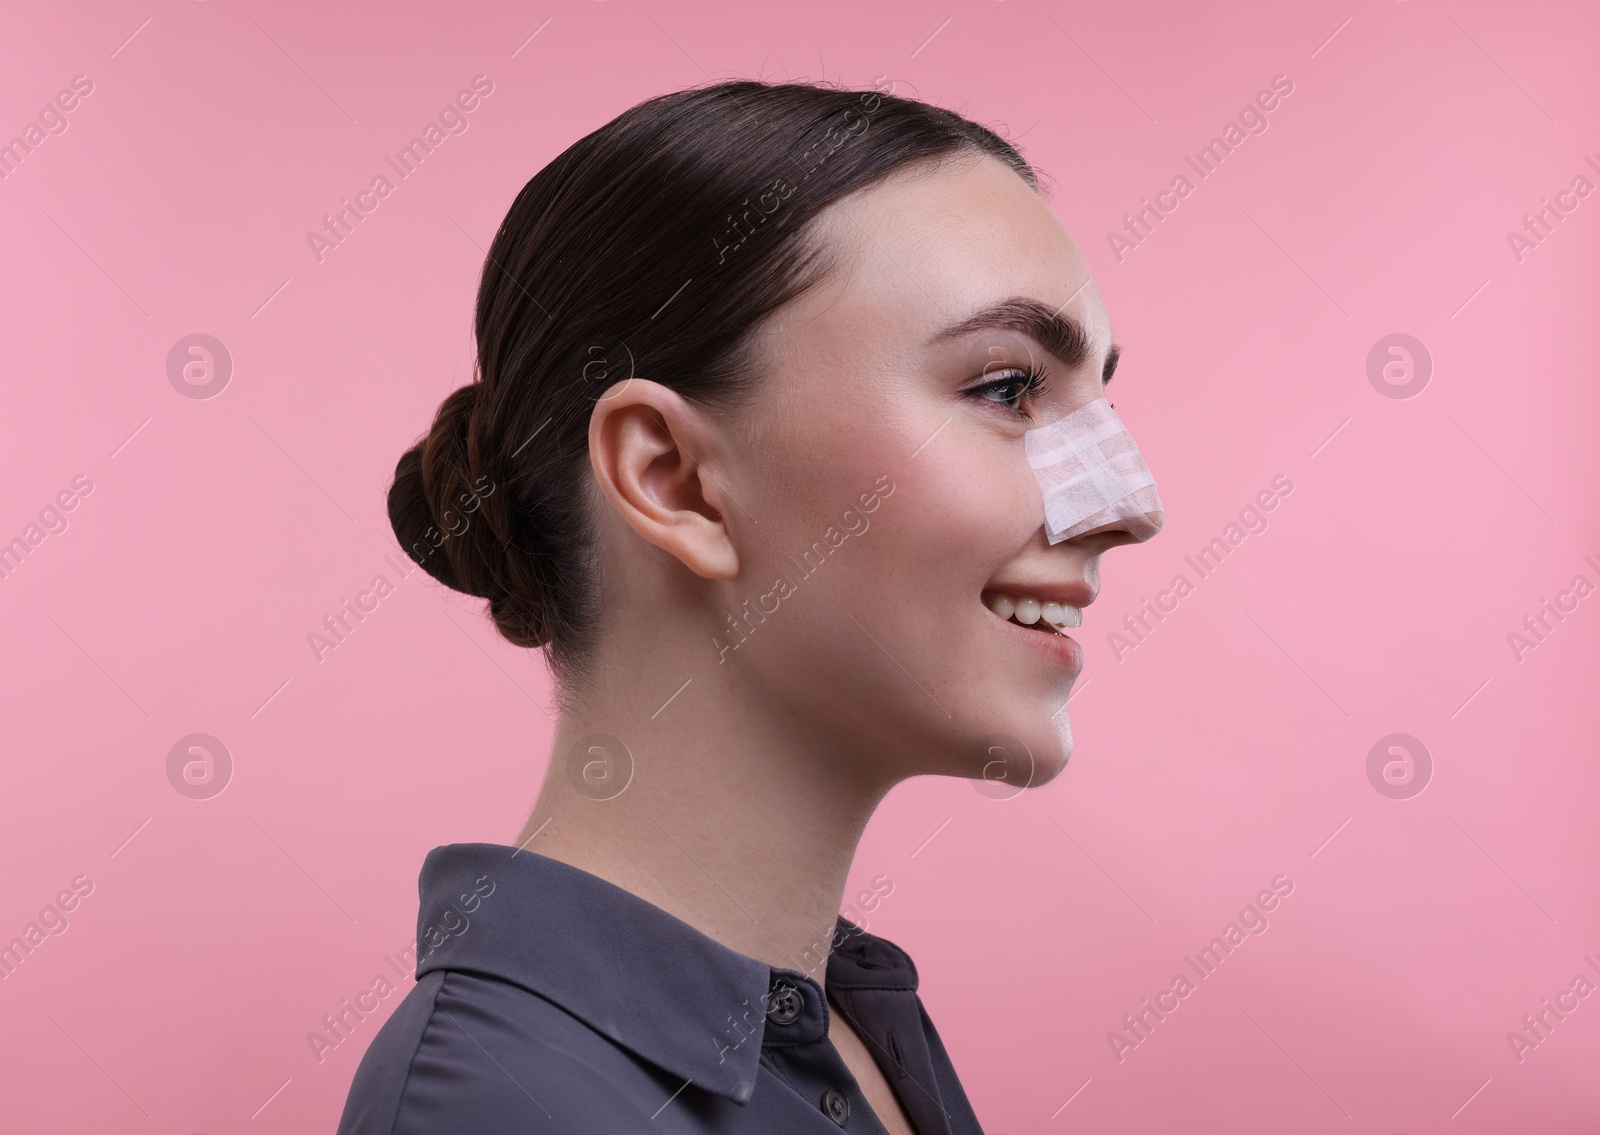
927	247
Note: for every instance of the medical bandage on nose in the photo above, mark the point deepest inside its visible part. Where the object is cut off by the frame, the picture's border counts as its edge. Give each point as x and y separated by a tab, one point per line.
1091	475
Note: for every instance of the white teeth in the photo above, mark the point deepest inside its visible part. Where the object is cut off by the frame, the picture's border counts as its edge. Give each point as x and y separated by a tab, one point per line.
1029	611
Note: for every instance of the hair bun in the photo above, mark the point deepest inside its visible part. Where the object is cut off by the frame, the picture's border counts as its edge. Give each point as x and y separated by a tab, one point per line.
431	505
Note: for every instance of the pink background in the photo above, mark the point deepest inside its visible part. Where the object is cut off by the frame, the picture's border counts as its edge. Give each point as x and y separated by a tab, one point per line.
1227	748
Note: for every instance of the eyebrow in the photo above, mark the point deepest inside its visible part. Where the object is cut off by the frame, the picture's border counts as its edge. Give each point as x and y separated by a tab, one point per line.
1063	337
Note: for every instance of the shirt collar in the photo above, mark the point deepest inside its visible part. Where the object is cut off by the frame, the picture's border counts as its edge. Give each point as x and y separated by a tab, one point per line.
644	978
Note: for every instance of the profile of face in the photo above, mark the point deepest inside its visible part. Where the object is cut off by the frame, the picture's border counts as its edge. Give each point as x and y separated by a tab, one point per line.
877	492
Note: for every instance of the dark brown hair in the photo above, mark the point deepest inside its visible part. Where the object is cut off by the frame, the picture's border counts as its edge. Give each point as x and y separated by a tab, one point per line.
654	246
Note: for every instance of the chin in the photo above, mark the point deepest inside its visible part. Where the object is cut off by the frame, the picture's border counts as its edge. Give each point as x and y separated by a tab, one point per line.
1012	762
1050	761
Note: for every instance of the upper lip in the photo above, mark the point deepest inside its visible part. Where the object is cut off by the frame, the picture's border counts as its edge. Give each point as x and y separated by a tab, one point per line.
1075	594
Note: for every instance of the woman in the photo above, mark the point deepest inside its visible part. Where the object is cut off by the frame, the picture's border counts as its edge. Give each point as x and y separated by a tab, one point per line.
747	456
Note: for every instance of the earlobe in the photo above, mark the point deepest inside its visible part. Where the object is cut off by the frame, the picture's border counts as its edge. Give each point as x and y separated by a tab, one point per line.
646	445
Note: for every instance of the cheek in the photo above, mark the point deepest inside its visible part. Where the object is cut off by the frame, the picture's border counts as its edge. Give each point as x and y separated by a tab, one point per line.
977	510
961	502
953	520
952	516
884	638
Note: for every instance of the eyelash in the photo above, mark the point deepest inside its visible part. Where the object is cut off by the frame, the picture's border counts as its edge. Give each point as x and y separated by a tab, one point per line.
1034	381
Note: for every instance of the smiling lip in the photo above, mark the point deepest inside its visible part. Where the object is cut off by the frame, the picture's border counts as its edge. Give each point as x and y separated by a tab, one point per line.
1061	649
1078	595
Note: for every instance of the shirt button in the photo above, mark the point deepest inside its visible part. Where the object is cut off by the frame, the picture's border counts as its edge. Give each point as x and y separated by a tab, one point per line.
835	1106
787	1005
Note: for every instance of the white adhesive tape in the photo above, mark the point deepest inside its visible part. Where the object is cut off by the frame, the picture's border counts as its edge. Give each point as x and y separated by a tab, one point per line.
1091	474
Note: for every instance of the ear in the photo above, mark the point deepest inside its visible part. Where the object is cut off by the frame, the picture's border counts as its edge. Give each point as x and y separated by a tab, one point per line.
645	446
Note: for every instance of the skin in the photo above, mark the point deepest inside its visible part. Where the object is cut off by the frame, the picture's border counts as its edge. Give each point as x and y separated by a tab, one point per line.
750	789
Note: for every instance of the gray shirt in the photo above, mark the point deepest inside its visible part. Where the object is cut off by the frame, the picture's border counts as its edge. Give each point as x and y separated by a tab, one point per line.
551	1000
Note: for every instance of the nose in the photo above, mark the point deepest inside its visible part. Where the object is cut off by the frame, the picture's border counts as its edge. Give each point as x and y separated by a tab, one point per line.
1092	476
1115	533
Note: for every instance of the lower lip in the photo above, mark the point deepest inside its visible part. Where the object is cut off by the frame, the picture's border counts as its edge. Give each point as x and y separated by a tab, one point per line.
1063	650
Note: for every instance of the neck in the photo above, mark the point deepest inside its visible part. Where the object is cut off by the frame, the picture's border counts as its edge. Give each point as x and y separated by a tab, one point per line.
740	821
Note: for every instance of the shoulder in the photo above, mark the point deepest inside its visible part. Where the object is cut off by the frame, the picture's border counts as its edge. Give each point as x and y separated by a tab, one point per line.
464	1051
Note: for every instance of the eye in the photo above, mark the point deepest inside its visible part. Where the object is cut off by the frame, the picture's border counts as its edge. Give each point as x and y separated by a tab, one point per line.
1013	385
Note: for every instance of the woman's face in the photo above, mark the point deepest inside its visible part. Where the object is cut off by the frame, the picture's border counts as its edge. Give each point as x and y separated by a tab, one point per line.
883	479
